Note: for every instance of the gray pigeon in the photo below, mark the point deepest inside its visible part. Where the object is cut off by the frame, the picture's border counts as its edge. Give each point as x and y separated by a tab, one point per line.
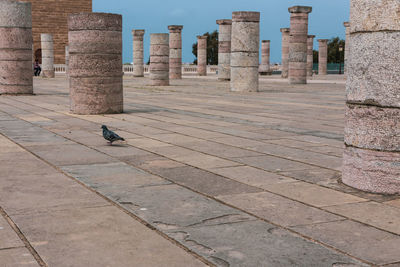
110	135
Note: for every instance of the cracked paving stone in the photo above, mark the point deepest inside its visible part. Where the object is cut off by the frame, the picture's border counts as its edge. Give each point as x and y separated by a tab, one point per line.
257	243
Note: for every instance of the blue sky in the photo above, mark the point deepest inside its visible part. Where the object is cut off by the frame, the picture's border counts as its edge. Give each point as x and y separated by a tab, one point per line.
198	17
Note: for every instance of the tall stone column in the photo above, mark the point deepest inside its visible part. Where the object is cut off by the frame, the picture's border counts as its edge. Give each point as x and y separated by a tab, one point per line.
138	68
66	59
310	55
224	49
47	55
175	51
15	48
95	63
323	57
372	133
298	44
285	52
202	55
347	45
264	68
245	51
159	59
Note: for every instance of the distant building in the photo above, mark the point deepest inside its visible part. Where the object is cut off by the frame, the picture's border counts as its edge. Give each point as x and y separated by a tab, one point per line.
50	16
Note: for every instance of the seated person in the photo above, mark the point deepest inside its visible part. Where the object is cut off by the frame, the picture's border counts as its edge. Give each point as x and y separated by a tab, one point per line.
37	69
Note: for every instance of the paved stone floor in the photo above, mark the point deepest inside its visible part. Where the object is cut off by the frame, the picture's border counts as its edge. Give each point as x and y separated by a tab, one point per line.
205	177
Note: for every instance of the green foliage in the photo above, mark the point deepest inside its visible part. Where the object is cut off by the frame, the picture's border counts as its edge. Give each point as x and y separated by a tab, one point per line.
212	48
334	55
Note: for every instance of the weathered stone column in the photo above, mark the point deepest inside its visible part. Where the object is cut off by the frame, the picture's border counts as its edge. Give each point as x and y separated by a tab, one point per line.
347	45
224	49
298	44
264	68
15	48
138	68
372	134
285	52
175	51
159	59
310	55
95	63
66	59
245	51
202	55
323	57
47	55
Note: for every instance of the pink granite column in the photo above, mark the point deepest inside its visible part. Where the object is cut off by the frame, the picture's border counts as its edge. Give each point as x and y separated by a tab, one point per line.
95	63
347	45
245	51
159	59
323	57
298	44
285	52
264	68
372	135
175	51
310	55
138	67
15	48
202	55
47	55
224	49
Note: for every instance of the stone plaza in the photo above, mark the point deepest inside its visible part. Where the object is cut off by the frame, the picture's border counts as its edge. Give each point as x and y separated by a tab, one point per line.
243	167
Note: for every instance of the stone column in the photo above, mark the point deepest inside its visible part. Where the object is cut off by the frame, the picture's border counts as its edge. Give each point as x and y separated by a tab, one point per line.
159	59
323	57
15	48
310	55
372	133
298	44
47	55
95	63
285	52
264	68
175	51
202	55
245	51
347	45
224	49
66	59
138	68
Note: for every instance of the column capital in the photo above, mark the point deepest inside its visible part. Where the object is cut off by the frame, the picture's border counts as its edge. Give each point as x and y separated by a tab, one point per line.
300	9
346	24
202	36
323	40
246	16
311	36
175	28
285	29
224	22
138	32
265	41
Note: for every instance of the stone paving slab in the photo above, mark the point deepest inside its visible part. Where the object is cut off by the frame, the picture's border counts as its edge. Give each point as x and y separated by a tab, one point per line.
102	236
279	210
17	257
356	238
200	165
8	238
257	243
382	216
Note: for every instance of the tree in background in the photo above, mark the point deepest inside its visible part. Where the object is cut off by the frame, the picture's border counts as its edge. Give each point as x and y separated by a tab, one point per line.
212	48
334	55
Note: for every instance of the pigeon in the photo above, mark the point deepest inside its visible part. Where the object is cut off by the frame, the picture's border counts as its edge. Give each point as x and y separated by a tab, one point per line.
110	135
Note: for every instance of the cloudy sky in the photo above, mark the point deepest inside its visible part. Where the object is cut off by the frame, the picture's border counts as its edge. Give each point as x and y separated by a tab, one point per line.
198	17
